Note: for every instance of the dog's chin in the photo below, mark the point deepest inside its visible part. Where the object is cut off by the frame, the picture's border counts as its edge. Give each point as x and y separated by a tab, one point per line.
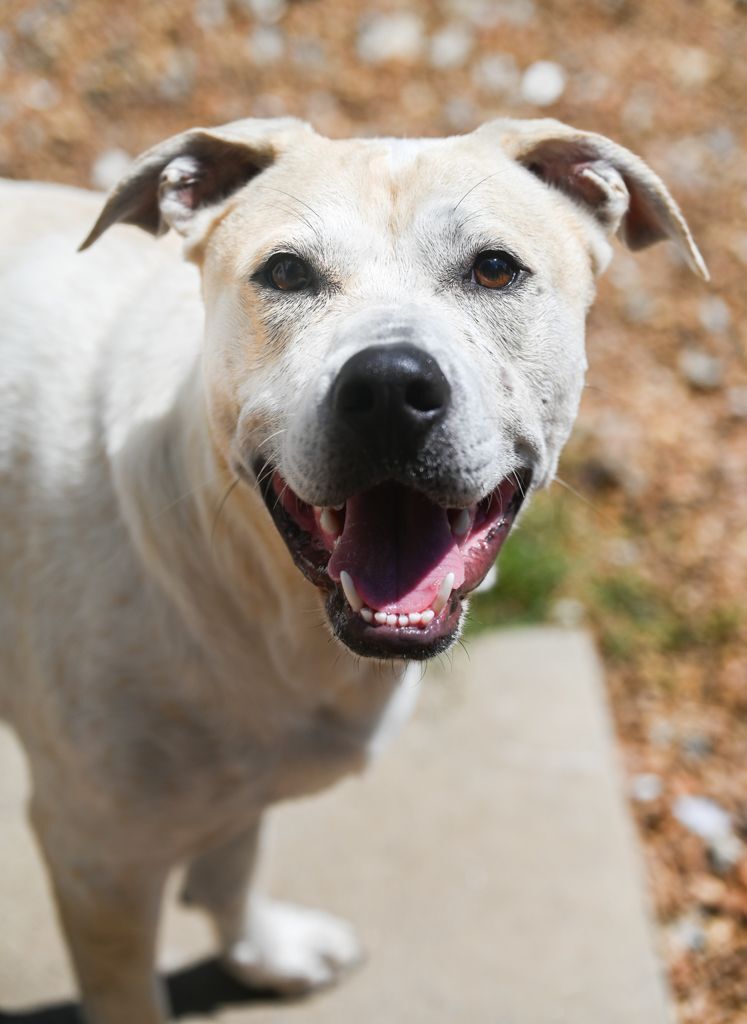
396	566
412	643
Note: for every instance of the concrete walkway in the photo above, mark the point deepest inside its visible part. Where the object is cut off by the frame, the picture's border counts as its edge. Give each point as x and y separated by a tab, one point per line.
488	862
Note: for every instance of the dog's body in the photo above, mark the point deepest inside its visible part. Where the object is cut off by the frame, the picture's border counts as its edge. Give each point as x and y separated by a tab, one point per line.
165	664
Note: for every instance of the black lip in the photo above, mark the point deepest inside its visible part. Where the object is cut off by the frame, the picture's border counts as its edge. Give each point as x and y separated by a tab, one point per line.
416	643
309	557
410	643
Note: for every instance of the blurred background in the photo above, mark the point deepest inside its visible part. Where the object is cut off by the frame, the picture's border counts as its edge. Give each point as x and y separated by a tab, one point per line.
644	537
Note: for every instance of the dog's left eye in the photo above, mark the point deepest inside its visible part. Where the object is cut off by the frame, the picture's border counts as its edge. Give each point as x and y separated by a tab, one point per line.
287	273
495	270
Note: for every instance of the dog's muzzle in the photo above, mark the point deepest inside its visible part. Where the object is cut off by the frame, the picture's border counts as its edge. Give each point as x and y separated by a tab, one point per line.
394	549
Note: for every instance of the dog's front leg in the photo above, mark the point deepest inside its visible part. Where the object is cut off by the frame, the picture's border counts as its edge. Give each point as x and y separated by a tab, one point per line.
109	914
264	943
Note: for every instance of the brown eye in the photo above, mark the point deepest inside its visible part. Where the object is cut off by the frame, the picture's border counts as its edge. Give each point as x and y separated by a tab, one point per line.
494	270
287	273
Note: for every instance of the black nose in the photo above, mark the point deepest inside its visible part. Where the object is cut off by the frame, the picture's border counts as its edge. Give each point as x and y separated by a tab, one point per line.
390	396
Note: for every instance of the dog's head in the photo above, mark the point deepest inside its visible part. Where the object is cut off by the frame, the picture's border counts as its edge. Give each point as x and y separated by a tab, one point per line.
394	347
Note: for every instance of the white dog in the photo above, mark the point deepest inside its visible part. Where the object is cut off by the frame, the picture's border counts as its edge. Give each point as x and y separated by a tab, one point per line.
373	354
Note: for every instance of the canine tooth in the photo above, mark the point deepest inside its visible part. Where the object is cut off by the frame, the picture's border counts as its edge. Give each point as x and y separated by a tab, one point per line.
366	614
443	594
346	581
426	616
329	522
391	620
414	618
403	620
462	523
380	617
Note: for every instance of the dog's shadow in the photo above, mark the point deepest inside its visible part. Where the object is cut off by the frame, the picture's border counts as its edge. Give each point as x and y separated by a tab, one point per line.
201	988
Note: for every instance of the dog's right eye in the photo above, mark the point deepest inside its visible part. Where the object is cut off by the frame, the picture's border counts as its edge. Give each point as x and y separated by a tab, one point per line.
287	273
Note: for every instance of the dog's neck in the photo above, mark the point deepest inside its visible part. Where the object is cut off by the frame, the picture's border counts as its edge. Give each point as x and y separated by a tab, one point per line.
205	536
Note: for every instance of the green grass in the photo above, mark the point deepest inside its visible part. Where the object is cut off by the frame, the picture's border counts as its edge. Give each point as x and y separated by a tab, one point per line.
558	551
534	565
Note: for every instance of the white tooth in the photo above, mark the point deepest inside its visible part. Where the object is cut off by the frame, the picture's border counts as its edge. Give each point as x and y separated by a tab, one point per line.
329	522
426	616
462	523
391	620
380	617
351	593
366	614
414	618
443	594
403	620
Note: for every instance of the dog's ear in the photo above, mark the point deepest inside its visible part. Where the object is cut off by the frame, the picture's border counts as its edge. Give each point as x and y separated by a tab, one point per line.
615	185
169	184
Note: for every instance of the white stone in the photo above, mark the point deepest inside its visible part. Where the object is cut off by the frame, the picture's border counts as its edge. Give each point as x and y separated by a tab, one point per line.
451	46
109	168
688	934
701	370
714	314
41	94
702	816
725	851
543	83
498	73
266	45
692	66
646	787
210	13
384	37
268	11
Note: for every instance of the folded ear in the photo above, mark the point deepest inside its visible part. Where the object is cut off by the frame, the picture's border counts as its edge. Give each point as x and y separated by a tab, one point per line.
616	186
167	186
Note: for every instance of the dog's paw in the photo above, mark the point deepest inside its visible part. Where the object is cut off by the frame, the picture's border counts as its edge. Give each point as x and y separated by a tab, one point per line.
292	950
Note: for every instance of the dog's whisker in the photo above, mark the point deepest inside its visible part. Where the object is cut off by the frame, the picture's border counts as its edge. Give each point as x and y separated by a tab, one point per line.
295	213
267	440
222	504
183	497
295	198
280	495
596	509
471	190
519	484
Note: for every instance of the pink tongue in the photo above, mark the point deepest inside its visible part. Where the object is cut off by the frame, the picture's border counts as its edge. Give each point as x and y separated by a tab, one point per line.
397	546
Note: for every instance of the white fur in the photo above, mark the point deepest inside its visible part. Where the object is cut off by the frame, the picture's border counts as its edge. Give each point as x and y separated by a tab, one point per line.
167	668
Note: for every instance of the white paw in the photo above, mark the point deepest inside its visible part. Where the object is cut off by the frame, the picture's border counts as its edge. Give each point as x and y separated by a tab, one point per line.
292	950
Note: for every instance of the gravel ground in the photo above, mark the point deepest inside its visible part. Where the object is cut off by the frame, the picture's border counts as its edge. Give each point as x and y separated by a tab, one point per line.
657	468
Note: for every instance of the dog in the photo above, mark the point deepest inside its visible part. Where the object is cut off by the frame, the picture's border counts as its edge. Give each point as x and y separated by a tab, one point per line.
244	492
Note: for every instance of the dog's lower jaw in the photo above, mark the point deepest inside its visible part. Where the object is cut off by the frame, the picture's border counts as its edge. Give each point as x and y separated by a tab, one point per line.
395	565
414	643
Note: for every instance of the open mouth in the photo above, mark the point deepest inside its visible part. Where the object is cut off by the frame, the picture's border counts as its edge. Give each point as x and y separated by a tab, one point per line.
396	566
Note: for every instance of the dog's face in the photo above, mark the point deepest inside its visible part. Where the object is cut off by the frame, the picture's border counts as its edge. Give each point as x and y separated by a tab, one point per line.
394	341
